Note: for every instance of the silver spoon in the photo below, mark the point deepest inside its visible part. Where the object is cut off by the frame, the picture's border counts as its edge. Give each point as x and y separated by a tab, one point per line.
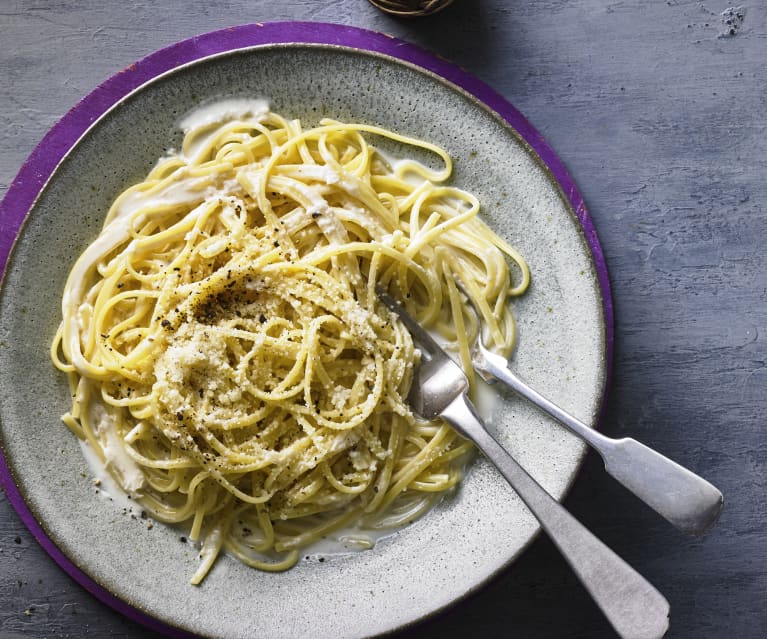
686	500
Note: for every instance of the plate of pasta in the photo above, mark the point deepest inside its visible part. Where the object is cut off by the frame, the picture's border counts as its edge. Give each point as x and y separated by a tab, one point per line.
225	424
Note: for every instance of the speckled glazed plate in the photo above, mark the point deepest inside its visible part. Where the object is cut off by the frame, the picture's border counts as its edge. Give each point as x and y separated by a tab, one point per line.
54	209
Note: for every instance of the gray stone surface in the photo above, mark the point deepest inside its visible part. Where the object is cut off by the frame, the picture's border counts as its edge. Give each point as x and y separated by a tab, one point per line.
660	114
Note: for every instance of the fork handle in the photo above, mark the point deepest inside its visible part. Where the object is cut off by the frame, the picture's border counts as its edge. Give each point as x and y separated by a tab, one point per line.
683	498
631	604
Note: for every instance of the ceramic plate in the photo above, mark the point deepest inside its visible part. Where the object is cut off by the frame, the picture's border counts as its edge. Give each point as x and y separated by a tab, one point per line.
55	208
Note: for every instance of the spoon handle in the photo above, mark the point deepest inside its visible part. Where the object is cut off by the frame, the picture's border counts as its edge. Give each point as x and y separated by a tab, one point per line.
631	604
683	498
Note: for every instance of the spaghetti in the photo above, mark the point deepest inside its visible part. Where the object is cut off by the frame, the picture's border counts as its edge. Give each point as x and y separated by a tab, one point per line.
229	361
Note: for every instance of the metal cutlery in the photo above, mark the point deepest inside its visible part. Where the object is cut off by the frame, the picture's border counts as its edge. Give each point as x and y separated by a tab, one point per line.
631	604
683	498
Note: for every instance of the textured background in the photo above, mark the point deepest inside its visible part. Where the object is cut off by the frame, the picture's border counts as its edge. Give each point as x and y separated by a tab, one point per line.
660	113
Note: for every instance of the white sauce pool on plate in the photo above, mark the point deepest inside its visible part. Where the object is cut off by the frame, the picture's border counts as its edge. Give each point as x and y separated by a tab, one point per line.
108	487
222	111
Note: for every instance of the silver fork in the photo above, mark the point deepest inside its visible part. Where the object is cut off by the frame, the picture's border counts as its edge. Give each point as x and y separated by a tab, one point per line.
631	604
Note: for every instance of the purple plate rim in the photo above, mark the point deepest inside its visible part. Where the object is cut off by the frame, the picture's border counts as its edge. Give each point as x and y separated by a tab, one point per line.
47	155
